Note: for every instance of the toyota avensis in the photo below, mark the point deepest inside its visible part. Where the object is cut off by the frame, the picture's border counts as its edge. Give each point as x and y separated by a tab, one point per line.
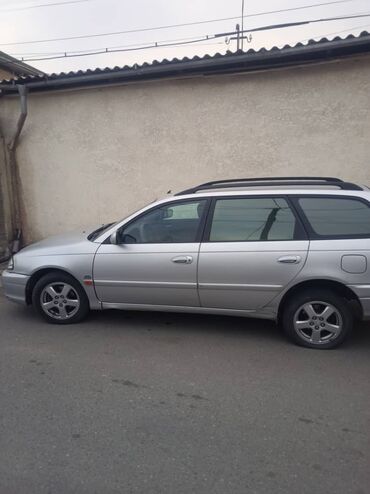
295	250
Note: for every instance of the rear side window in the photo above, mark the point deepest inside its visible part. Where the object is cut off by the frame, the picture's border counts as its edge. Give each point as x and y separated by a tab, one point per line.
335	217
252	219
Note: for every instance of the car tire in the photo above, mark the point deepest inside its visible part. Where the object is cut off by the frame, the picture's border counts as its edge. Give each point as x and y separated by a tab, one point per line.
60	299
316	318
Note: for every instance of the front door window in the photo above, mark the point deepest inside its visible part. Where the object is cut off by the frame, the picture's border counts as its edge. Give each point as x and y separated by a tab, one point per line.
170	223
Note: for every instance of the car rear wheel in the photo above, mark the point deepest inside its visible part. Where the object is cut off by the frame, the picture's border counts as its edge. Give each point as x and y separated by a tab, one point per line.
317	319
60	299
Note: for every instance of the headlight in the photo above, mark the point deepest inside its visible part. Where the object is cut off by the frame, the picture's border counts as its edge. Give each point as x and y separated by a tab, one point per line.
11	264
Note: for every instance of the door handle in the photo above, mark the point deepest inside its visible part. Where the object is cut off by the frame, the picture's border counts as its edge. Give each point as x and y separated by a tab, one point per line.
289	259
182	259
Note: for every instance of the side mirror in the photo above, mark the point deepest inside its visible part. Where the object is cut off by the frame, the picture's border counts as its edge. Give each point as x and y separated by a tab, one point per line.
118	238
113	238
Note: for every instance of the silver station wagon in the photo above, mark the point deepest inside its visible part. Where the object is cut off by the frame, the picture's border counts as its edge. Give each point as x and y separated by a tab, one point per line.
295	250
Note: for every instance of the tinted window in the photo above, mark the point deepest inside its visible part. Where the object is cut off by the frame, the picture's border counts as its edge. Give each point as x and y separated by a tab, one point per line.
336	217
171	223
251	219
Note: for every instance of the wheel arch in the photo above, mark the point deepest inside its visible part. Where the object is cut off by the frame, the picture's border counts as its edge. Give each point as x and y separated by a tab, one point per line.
37	275
336	286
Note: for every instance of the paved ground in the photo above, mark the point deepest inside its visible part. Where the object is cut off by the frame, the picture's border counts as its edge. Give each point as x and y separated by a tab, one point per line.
155	403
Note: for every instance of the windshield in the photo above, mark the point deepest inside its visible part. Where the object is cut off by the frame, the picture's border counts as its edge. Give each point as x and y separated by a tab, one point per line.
95	234
99	231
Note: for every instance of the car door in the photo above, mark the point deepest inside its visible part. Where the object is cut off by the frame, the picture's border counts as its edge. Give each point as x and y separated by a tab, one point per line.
155	259
254	246
339	231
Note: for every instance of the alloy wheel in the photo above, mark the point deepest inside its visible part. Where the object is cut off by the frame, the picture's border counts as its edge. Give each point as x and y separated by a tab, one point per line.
318	322
59	300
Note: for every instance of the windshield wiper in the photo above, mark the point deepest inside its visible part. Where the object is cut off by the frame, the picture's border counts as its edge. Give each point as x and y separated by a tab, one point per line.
95	234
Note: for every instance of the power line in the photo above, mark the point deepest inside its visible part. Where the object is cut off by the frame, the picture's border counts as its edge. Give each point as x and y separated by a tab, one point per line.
156	44
177	42
295	24
299	8
363	26
170	26
111	48
17	9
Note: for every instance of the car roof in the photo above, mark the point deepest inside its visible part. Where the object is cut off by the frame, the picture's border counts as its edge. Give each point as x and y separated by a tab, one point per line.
324	189
268	183
258	191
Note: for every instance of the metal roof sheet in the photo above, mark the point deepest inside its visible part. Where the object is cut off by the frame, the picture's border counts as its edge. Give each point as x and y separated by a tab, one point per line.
17	67
231	62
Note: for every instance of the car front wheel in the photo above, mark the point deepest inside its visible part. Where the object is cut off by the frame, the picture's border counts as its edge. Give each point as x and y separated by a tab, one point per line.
60	299
317	319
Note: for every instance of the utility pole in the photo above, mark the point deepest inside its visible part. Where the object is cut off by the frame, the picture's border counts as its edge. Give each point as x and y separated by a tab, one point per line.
237	29
242	40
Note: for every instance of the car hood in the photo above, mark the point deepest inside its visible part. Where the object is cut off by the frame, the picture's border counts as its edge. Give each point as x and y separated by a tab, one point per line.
75	242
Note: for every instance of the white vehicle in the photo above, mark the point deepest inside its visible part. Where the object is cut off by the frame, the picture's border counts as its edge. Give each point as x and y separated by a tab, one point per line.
292	249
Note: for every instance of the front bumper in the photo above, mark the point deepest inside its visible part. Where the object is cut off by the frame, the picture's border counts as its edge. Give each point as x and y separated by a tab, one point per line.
14	286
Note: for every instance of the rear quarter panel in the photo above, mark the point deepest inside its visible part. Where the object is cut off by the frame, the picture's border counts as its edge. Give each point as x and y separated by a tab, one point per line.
325	262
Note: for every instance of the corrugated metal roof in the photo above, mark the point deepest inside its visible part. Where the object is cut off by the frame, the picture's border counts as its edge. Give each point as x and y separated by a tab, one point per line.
17	67
231	62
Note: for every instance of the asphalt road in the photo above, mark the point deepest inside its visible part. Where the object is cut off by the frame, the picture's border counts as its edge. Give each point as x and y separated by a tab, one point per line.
158	403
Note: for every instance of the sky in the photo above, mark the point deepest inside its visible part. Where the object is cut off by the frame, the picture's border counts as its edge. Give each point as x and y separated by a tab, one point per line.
23	22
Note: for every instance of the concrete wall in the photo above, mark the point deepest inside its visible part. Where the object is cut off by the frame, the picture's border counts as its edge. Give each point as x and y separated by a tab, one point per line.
95	155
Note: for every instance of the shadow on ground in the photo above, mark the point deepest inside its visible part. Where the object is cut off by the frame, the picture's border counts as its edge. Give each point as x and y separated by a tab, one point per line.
175	324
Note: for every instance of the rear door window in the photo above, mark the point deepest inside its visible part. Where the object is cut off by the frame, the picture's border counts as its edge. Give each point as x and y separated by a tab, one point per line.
337	217
252	219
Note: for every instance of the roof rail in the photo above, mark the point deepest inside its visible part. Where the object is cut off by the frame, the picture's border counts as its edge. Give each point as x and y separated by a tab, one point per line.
271	181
